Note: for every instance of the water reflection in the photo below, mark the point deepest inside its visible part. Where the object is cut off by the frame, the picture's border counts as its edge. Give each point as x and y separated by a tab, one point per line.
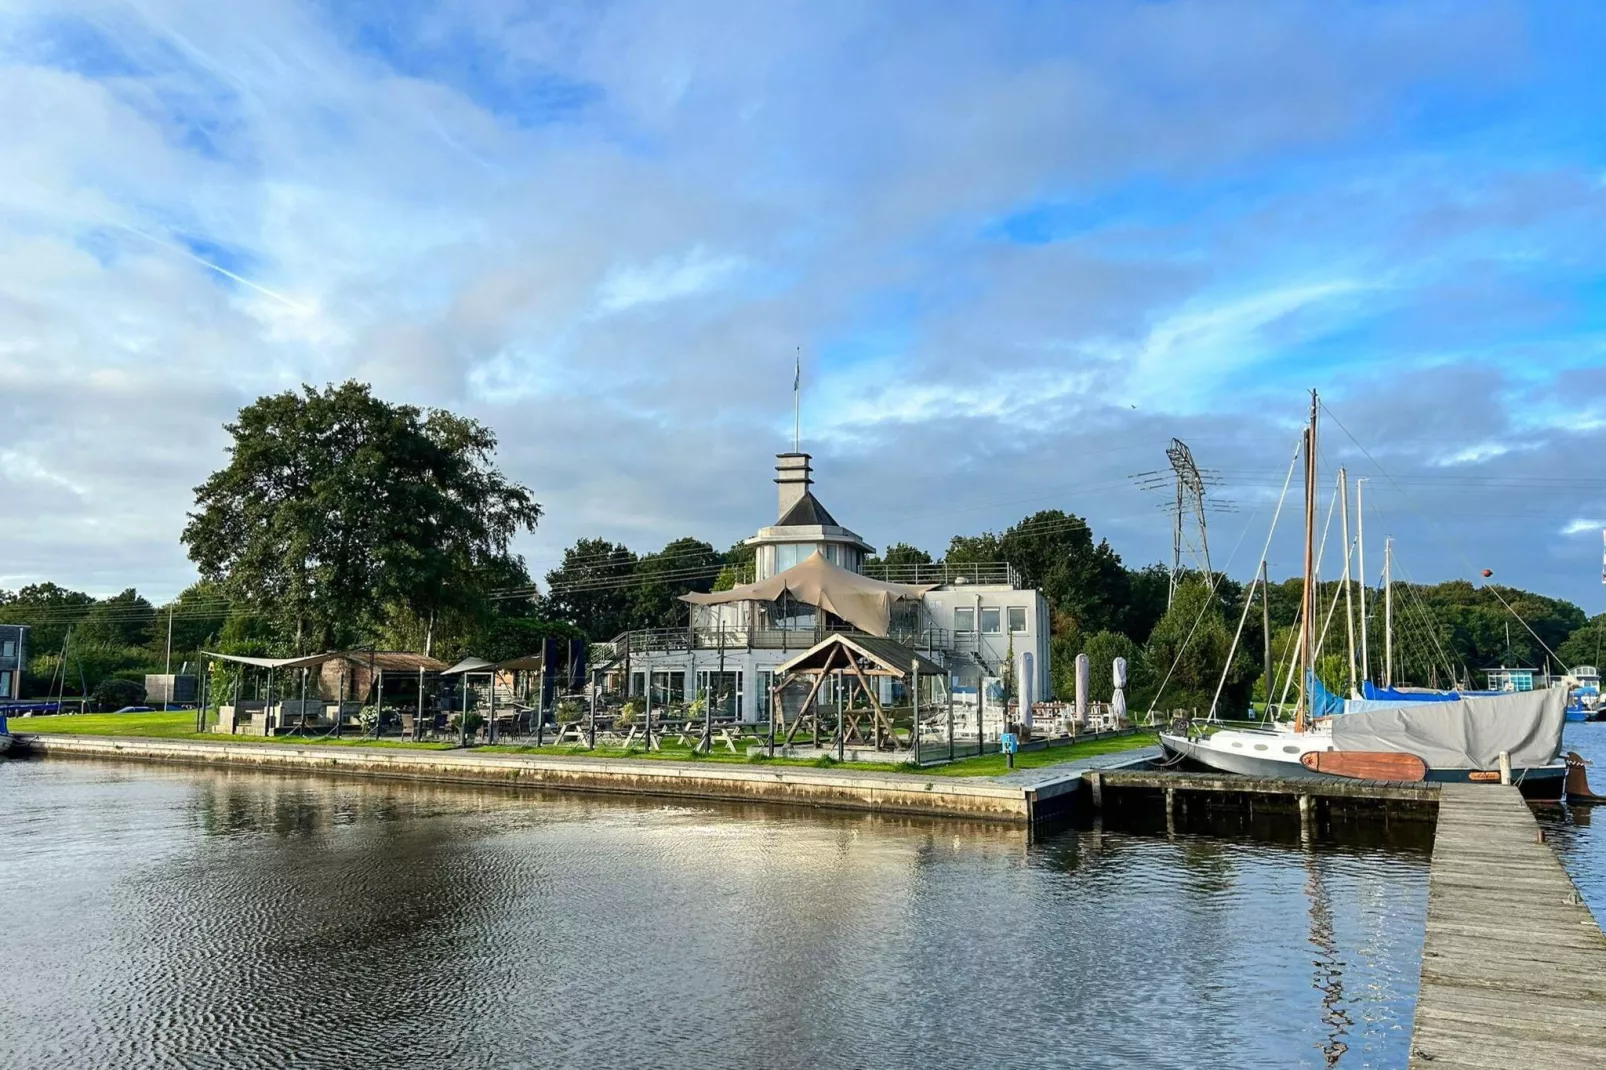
197	918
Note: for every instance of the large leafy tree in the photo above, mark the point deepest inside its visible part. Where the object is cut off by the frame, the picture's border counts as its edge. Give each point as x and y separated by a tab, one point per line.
592	588
123	620
337	506
1188	648
683	566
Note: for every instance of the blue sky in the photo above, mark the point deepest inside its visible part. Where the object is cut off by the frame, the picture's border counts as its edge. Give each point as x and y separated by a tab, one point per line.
1020	246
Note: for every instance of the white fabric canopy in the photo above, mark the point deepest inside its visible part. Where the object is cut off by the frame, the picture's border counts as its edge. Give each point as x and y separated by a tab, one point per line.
861	601
468	665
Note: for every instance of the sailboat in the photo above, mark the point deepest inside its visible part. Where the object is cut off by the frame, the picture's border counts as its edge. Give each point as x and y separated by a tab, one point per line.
1464	738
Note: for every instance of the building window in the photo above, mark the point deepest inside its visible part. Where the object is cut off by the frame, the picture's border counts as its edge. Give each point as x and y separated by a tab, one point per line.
638	684
989	622
5	685
8	648
1017	620
724	691
668	687
790	554
964	620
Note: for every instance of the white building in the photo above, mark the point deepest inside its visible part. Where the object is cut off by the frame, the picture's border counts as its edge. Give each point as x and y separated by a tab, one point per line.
810	579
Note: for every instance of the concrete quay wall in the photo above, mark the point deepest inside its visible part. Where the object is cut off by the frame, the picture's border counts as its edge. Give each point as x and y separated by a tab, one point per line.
838	788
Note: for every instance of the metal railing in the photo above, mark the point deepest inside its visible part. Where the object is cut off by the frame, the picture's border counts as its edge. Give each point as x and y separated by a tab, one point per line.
660	640
990	573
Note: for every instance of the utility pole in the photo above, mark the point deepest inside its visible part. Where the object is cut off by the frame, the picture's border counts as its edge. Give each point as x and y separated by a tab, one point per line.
1349	604
1360	553
1388	612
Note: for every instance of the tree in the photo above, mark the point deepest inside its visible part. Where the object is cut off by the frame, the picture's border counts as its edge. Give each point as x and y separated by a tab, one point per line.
1586	646
1189	647
48	609
684	565
1147	590
591	588
122	620
898	554
336	505
1054	552
1102	648
113	693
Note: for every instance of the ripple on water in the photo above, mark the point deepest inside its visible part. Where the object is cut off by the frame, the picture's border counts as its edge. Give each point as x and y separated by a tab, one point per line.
195	918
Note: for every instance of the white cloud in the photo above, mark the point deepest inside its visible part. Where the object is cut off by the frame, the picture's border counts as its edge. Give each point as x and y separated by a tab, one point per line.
666	278
618	285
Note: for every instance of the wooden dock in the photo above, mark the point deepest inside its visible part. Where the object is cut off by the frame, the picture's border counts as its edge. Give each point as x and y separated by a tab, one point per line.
1514	965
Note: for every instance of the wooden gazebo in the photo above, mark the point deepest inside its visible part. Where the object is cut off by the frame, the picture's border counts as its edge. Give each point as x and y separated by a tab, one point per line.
855	660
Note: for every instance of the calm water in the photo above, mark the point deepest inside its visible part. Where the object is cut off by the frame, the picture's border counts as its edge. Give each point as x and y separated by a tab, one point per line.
159	918
1578	833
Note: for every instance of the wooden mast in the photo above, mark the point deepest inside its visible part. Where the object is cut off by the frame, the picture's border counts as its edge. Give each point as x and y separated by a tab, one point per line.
1308	602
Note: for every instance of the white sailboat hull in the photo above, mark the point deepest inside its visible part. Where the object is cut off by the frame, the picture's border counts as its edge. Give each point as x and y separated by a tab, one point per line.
1273	761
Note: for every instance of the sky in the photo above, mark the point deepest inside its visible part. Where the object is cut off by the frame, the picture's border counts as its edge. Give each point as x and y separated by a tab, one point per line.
1018	247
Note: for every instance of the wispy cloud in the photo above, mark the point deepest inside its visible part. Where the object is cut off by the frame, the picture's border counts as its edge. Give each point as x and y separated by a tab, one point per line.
605	229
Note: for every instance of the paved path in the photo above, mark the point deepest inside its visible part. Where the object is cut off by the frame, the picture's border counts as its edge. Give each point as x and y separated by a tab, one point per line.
1514	966
1049	774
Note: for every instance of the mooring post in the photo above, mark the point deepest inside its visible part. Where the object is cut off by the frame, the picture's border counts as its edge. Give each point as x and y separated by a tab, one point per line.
591	715
1095	780
950	717
1505	767
914	702
1170	801
1306	808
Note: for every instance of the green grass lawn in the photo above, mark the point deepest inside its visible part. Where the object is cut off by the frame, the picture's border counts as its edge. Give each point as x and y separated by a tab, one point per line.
178	725
181	725
995	765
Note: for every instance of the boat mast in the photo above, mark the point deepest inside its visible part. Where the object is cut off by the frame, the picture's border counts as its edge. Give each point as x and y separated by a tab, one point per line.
1308	603
1265	628
1349	603
1388	612
1360	552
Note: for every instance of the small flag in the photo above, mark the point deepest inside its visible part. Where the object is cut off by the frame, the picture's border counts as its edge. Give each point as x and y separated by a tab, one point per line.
797	371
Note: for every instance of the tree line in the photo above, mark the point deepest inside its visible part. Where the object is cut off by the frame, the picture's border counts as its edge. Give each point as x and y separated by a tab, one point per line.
342	521
1177	648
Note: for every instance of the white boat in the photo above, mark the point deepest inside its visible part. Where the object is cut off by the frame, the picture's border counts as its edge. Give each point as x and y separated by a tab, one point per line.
1251	751
1462	738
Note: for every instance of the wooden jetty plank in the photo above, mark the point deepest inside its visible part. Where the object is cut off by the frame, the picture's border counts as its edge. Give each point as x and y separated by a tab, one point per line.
1513	964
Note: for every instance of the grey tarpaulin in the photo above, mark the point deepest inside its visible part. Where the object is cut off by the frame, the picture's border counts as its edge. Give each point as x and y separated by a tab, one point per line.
1466	734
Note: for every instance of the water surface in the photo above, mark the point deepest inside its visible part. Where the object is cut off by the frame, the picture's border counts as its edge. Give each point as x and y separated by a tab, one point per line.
197	918
1578	833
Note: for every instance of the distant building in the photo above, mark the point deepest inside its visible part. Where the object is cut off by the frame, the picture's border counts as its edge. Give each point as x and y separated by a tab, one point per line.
13	658
1506	678
810	578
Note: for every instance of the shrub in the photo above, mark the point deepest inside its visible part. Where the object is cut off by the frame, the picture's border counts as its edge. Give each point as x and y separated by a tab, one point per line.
113	694
475	722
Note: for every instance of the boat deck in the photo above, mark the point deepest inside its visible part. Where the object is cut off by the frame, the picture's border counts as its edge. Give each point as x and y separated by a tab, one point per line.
1514	965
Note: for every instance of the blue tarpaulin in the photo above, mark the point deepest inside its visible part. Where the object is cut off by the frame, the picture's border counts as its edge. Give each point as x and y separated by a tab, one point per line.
1323	703
1371	691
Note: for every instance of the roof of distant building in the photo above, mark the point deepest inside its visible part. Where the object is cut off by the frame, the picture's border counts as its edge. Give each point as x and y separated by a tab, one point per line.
807	512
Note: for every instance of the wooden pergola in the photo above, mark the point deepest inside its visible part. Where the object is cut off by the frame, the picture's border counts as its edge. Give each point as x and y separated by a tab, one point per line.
854	660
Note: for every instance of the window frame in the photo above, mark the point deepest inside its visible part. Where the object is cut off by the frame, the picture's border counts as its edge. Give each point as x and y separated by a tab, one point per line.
998	620
1009	617
967	612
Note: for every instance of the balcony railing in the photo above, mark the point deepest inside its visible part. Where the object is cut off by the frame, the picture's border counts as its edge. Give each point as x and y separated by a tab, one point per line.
664	640
991	573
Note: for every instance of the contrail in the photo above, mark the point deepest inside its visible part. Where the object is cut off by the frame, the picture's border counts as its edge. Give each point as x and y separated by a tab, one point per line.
259	288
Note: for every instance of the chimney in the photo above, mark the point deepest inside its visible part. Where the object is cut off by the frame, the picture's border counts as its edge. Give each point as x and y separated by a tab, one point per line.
793	475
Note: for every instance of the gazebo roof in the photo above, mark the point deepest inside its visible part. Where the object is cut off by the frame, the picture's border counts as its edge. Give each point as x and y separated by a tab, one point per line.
874	655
